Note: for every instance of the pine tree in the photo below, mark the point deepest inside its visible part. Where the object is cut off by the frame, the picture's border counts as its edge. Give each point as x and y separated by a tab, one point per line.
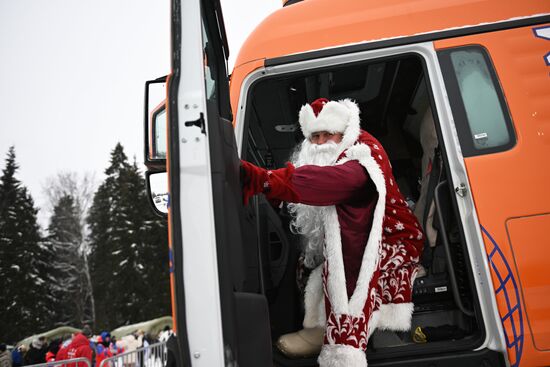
25	302
69	197
68	285
149	237
100	259
129	266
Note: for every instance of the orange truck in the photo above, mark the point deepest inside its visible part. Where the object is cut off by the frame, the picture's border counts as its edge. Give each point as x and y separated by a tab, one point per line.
458	92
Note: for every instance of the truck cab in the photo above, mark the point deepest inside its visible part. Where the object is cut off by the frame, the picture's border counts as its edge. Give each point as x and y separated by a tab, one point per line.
457	93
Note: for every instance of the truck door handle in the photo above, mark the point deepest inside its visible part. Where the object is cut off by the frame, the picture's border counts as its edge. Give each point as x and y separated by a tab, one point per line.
198	123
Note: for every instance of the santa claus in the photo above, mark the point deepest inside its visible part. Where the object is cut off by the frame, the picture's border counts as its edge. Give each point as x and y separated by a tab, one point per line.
362	240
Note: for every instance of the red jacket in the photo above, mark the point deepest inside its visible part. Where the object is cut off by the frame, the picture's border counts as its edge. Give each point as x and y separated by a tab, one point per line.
61	354
79	348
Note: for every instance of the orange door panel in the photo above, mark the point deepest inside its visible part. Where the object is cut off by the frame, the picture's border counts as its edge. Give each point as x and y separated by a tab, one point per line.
511	191
528	246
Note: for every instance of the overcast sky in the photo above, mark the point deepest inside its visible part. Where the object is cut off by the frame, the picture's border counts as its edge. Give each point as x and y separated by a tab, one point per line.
72	76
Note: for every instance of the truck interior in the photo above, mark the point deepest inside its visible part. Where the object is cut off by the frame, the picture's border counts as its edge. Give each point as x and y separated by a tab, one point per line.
397	108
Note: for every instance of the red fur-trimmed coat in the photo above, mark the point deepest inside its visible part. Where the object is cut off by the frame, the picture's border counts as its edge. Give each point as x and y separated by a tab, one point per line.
372	246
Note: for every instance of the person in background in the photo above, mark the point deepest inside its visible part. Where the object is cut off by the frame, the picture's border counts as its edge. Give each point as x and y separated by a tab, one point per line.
115	347
37	351
165	334
144	357
62	352
78	348
130	343
17	356
53	348
5	357
102	348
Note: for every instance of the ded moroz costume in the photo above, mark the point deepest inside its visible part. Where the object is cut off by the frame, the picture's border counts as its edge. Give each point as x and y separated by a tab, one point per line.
362	239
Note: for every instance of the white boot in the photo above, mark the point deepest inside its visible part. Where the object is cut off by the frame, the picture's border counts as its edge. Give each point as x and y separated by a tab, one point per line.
303	343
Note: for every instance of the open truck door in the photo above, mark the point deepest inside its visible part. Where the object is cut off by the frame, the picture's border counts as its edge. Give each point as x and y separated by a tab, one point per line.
217	322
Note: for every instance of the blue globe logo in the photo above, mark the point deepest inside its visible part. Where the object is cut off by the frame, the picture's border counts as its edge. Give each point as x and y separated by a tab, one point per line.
507	293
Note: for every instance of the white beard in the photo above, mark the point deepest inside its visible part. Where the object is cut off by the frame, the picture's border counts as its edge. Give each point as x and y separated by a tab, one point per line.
308	220
318	155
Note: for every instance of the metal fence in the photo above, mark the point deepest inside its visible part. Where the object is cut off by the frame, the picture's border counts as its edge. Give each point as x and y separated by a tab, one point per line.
75	362
154	355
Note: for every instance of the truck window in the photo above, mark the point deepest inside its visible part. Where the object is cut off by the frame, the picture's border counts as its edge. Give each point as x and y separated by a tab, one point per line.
215	72
481	116
209	67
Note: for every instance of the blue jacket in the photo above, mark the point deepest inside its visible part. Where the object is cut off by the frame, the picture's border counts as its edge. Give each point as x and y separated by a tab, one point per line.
16	358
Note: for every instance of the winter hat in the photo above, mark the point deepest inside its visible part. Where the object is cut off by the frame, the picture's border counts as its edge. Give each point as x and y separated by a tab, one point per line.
105	335
332	116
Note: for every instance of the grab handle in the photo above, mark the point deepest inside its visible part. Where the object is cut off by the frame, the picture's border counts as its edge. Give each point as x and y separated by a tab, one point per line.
447	247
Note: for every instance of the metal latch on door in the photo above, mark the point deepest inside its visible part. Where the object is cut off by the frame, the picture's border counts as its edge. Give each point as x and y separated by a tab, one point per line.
461	190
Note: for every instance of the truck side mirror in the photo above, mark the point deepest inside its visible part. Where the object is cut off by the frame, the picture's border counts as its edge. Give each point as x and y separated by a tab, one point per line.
155	124
155	144
157	187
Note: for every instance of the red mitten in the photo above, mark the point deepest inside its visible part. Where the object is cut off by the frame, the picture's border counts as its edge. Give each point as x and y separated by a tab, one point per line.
254	180
279	185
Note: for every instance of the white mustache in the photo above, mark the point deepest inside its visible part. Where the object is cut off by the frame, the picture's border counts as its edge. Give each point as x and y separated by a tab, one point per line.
326	147
320	155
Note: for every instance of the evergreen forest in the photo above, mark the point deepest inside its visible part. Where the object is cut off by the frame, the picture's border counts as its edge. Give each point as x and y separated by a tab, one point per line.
102	260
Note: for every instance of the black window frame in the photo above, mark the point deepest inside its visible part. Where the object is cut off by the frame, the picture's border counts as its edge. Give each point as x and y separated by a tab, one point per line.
217	51
154	164
459	110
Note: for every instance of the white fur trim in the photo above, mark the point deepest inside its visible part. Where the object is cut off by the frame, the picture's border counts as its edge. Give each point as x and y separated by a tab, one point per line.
336	278
373	321
392	316
341	356
335	117
353	130
362	153
314	300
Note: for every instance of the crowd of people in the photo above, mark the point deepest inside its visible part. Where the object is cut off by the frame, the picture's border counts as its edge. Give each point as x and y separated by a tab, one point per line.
83	344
